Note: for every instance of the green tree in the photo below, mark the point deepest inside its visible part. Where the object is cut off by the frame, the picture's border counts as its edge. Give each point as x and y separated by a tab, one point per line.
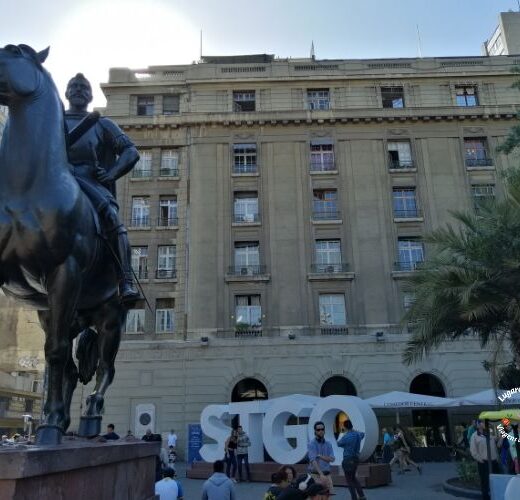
471	283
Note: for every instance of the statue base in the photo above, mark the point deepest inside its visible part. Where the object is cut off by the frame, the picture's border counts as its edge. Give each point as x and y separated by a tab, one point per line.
79	469
48	435
89	427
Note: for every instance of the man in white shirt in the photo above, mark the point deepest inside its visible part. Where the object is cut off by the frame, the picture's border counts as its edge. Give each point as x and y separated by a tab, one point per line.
167	488
172	439
478	450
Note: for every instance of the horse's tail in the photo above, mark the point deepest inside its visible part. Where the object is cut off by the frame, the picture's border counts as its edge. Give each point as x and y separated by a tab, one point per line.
87	353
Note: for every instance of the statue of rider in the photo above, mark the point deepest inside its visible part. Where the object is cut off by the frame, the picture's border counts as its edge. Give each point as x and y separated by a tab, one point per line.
100	156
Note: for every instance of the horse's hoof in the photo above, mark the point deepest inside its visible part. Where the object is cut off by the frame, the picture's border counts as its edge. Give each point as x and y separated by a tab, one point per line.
48	435
89	426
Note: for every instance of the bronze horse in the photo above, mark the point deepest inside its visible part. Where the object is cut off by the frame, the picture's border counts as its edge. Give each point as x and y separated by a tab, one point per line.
51	255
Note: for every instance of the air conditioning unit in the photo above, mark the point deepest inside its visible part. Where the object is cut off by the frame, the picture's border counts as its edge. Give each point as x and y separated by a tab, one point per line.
329	269
144	418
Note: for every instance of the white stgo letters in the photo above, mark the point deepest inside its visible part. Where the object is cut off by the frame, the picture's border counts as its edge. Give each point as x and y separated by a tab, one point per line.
266	424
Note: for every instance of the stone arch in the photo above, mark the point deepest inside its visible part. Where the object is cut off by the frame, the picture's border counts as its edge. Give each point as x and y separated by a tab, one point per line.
249	389
338	385
427	383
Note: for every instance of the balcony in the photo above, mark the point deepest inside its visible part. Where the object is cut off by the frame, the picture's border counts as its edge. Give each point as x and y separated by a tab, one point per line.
323	166
408	213
245	169
141	174
333	330
407	265
166	274
401	165
329	268
140	223
247	273
479	162
246	218
248	331
167	222
326	215
168	172
142	274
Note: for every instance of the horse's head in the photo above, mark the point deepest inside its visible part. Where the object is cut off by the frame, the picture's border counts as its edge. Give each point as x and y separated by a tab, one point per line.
20	72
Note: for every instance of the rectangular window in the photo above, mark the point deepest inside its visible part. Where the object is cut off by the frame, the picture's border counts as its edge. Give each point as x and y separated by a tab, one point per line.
322	157
332	310
135	319
170	104
244	100
245	207
169	163
244	158
466	95
325	204
145	105
248	310
409	299
168	211
166	260
405	202
140	212
143	168
400	154
140	261
165	315
247	258
482	194
411	253
318	99
328	256
392	97
476	152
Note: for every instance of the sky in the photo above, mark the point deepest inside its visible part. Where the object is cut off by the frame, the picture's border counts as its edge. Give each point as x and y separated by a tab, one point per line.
91	36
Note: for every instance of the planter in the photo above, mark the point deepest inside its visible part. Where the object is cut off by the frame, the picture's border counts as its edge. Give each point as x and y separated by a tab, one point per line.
457	488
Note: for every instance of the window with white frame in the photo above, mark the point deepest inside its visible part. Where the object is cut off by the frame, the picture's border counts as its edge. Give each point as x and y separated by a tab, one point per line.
328	255
165	316
169	163
332	309
318	99
244	100
248	310
405	202
325	204
400	154
145	105
140	211
140	261
245	206
482	194
411	253
143	168
247	257
166	257
244	158
168	211
466	95
322	156
392	97
135	319
170	104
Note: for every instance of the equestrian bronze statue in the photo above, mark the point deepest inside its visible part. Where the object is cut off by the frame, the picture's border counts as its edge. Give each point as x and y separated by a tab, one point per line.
63	250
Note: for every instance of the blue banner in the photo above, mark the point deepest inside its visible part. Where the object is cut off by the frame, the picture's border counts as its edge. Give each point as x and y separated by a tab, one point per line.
194	443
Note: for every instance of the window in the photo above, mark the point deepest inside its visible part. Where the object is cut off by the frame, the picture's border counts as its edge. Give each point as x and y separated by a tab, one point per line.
140	261
392	97
466	95
168	211
475	152
166	256
409	299
318	99
332	310
322	156
140	212
411	253
143	168
169	163
328	256
244	100
145	104
405	202
165	316
245	207
248	310
482	194
400	154
247	258
325	204
244	158
135	319
170	104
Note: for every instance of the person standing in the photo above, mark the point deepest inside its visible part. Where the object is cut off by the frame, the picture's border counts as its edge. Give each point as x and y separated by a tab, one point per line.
231	457
351	444
387	446
111	435
243	443
167	488
478	450
218	486
172	439
321	455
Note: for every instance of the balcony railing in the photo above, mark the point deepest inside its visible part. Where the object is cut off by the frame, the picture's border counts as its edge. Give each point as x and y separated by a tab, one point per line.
168	172
400	164
333	330
141	274
140	222
409	213
479	162
165	274
167	221
246	270
141	174
246	218
323	166
250	331
326	215
329	268
245	169
407	265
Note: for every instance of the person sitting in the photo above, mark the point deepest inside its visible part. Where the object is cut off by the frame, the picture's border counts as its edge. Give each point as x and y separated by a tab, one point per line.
167	488
111	435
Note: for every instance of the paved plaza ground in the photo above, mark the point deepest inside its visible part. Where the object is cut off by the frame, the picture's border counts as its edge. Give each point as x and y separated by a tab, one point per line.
409	486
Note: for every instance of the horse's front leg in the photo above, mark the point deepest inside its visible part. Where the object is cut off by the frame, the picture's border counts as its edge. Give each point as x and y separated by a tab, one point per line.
63	292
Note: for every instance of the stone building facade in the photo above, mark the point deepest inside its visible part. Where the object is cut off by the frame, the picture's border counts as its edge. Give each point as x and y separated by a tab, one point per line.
276	210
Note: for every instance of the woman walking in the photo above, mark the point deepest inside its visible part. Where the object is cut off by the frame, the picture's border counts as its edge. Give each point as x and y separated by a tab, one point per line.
231	457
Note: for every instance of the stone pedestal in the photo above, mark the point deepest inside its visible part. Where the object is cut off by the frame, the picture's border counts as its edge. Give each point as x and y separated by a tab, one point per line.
79	470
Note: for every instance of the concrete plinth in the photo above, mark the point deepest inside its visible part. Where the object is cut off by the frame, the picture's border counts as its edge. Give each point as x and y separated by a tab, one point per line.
79	470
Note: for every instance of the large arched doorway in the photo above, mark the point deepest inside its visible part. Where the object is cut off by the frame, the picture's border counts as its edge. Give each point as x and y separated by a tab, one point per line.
432	426
248	389
338	386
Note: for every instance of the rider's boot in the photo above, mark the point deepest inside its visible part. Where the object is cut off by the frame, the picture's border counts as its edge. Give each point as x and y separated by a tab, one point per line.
128	290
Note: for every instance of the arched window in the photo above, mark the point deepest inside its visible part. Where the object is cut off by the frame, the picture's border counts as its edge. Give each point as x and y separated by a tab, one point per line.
338	385
427	384
249	389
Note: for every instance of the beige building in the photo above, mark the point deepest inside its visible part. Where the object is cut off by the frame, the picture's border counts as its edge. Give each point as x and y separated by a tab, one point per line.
277	207
505	40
